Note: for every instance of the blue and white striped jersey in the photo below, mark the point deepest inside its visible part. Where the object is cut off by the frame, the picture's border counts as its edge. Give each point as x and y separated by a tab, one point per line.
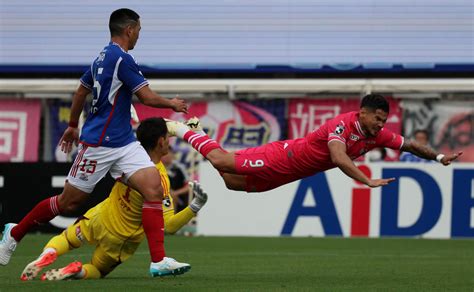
113	77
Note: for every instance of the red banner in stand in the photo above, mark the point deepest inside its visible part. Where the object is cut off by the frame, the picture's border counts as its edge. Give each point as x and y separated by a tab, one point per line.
19	130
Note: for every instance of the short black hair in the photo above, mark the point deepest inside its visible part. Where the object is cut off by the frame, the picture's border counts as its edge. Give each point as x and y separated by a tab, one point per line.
375	102
120	19
150	130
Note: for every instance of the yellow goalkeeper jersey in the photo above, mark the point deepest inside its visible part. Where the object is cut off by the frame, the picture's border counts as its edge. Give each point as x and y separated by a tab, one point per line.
121	212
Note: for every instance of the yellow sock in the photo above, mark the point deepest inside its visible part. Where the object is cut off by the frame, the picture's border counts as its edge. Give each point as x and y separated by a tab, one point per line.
174	222
91	272
65	241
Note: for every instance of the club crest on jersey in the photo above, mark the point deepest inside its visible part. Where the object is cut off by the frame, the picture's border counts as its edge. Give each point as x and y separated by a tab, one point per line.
339	130
167	202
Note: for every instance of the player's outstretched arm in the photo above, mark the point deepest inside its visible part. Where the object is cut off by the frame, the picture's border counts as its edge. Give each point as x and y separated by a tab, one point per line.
149	98
428	153
175	222
71	134
340	158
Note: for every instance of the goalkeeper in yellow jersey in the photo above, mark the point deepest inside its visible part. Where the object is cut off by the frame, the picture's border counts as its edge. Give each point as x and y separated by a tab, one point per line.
115	225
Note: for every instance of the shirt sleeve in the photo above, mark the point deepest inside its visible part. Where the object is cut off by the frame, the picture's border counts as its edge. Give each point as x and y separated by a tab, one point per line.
337	131
389	139
130	74
86	79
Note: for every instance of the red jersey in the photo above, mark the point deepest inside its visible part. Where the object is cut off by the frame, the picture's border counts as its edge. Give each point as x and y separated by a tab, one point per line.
280	162
311	153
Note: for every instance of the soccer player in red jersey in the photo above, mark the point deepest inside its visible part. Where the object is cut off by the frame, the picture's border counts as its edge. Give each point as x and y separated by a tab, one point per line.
335	144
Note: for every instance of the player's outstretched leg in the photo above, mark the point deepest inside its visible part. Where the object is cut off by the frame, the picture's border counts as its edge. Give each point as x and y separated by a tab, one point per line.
7	245
168	267
68	272
31	270
193	134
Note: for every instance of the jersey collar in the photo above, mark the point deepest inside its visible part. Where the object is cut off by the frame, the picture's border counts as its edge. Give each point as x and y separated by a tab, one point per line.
359	127
115	44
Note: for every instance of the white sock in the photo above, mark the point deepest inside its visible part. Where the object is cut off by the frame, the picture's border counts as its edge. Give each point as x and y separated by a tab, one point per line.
181	130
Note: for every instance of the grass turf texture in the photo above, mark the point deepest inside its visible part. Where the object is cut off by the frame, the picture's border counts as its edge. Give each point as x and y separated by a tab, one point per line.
292	264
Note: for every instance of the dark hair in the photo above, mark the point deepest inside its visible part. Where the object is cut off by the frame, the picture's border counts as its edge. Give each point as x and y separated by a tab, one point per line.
427	134
150	130
120	19
375	102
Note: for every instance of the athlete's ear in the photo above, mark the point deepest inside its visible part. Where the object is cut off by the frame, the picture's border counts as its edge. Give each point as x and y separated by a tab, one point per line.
161	142
129	31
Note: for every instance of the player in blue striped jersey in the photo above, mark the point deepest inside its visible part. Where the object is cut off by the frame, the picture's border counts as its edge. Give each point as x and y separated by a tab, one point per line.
107	143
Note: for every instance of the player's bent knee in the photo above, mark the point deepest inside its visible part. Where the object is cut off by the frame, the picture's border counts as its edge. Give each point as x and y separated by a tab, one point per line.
69	206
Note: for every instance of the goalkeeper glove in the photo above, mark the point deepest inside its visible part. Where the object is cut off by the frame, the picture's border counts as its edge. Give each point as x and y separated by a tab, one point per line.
199	197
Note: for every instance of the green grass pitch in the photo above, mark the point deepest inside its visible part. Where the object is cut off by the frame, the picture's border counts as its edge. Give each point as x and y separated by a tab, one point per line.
276	264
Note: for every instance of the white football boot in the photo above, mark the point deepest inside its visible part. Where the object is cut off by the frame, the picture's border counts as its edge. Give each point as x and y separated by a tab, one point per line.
175	127
7	245
194	124
168	267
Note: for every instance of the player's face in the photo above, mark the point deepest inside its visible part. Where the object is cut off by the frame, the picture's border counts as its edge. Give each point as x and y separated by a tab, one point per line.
134	35
421	138
372	121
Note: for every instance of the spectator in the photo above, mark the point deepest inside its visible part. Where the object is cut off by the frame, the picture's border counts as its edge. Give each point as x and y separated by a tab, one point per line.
179	178
422	137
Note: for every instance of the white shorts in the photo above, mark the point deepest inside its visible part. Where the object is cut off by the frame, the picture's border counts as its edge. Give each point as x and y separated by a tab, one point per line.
93	163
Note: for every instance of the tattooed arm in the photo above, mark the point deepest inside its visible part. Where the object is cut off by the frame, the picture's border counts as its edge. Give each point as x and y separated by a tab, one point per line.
428	153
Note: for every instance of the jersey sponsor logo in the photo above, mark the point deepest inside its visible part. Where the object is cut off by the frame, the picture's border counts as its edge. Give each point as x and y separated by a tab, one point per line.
286	145
83	177
354	137
339	130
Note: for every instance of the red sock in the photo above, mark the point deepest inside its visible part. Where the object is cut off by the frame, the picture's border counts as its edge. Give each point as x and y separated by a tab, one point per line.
43	212
153	224
201	143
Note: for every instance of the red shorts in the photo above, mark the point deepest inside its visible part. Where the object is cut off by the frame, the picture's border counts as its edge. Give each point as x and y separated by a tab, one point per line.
266	167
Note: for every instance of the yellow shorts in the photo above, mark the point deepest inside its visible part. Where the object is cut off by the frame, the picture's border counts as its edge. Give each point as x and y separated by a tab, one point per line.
110	250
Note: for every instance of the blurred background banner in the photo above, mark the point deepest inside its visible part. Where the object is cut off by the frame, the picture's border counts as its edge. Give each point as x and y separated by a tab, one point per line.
426	200
449	123
19	130
234	124
268	35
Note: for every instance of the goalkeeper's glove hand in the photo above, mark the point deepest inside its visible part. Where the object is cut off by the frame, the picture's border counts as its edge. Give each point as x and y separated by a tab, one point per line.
199	196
